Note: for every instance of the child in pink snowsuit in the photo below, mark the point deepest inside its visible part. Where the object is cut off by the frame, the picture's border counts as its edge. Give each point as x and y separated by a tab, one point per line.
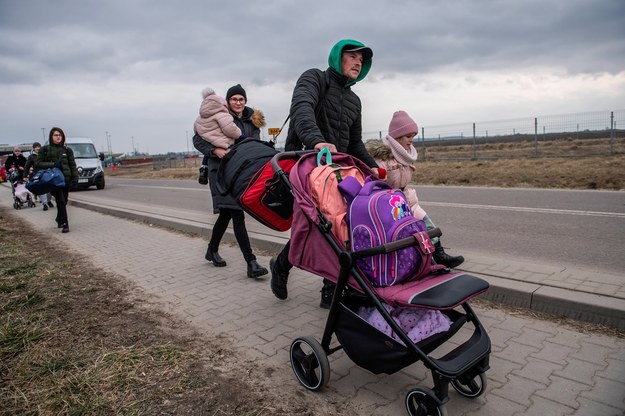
215	123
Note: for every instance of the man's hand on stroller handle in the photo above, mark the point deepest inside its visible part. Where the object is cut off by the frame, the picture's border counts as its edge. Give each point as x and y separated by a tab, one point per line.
332	148
322	145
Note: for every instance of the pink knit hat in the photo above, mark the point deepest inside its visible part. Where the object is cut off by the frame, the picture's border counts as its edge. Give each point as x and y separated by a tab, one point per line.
401	125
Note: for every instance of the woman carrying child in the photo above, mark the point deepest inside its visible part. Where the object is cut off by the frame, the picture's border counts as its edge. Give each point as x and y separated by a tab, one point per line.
397	155
220	124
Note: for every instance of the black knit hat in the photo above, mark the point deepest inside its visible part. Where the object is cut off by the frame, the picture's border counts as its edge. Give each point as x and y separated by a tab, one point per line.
236	90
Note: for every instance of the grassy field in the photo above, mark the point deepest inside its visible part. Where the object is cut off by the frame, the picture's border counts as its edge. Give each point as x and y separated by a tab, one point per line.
565	164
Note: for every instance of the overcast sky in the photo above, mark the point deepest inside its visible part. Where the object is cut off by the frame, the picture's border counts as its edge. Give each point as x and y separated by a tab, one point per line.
135	69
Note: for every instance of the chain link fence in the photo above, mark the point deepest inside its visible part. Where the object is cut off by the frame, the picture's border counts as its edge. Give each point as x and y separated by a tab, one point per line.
565	135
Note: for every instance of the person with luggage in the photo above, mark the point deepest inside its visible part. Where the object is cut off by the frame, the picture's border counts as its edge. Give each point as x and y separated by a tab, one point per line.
249	121
326	113
396	154
57	154
14	164
29	170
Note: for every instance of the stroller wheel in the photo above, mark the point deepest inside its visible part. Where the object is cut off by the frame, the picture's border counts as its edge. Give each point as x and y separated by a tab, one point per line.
422	401
310	363
16	205
470	387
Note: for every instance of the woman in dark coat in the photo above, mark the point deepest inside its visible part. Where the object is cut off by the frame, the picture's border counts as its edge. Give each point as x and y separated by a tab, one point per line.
16	161
249	121
57	154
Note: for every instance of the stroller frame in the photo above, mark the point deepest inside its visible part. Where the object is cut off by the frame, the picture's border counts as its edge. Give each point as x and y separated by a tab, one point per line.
463	367
17	202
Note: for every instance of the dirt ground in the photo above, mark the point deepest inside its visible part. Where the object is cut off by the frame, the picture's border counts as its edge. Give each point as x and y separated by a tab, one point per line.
75	339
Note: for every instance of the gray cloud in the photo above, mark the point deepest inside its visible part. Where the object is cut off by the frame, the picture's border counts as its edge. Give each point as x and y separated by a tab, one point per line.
159	44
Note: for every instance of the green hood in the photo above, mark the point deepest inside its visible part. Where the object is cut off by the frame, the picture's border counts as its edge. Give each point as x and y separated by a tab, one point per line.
334	60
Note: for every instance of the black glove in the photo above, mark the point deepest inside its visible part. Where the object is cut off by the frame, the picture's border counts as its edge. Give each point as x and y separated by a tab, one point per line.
57	164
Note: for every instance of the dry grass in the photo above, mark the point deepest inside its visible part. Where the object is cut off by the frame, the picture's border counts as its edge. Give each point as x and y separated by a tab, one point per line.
596	172
520	168
77	340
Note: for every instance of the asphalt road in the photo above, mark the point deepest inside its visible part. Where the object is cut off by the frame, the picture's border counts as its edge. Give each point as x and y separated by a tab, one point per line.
581	229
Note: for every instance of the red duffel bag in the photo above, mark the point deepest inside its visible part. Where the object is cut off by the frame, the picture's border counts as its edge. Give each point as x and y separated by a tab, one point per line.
268	199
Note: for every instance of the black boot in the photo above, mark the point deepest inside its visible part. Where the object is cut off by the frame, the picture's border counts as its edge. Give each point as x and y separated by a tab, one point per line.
212	255
279	280
440	257
255	270
203	176
327	293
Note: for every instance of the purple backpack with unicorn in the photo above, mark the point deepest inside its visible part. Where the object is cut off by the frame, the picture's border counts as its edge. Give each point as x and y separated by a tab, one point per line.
379	214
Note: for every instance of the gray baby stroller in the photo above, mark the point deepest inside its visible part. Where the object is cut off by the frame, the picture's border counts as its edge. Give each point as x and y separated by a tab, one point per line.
21	195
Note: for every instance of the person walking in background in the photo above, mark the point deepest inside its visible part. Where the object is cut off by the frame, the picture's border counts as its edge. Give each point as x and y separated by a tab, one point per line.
249	121
57	154
397	155
15	164
326	113
29	170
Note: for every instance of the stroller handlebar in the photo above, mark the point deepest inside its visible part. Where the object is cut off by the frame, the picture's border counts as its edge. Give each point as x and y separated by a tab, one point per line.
295	154
394	245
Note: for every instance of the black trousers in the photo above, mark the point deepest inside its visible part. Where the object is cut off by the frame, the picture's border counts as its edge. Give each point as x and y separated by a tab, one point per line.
61	195
240	231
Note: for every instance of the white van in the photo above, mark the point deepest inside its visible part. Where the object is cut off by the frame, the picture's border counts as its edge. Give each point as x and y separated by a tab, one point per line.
88	162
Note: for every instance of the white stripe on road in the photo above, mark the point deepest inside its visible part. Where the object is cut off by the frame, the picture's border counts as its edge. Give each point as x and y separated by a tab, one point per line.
525	209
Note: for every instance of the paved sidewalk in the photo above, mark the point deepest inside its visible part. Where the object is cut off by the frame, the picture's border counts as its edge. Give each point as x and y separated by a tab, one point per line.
580	294
537	367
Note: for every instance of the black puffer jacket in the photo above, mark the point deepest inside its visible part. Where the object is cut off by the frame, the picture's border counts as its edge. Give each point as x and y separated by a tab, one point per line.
17	161
325	109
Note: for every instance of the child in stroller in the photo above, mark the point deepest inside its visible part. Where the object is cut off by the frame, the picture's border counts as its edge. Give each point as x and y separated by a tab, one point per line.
314	248
21	195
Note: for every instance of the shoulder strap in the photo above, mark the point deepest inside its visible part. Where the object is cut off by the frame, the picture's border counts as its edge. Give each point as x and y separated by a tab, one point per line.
322	97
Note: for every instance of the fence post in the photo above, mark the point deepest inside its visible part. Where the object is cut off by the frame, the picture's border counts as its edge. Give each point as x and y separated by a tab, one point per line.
423	143
611	132
536	136
474	149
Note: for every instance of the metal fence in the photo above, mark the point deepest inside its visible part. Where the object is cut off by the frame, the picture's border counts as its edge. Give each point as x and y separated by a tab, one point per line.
164	162
564	135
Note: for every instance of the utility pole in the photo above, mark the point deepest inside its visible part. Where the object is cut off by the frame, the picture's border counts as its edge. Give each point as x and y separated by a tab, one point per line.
43	133
133	145
108	143
187	132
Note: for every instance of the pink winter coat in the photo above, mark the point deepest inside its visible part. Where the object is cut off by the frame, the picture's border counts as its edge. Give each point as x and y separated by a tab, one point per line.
215	123
397	175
